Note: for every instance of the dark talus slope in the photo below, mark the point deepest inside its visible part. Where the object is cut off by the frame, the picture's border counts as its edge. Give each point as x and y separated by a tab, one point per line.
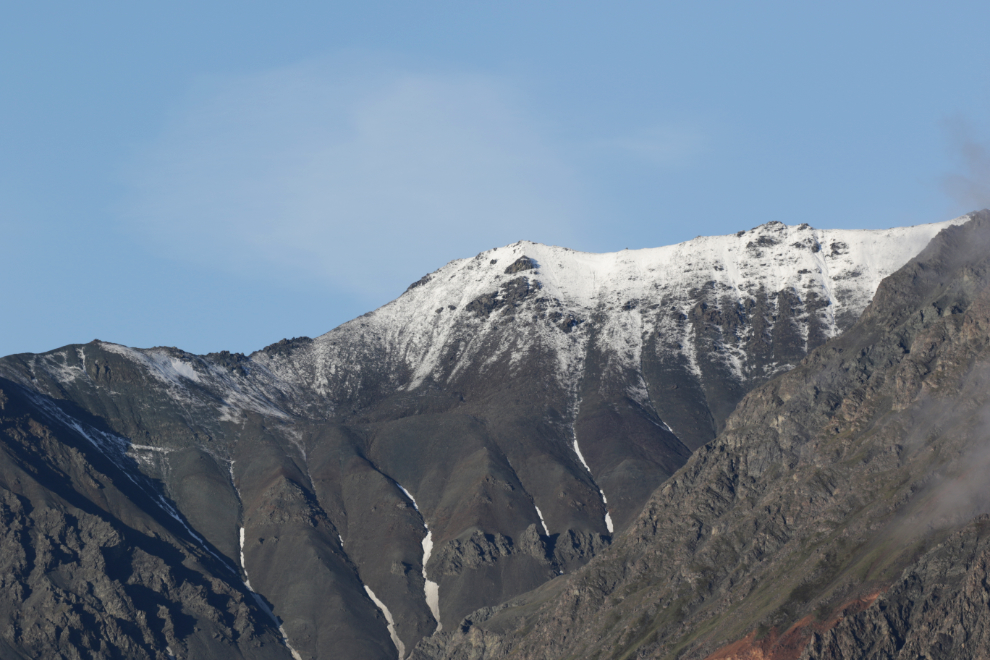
456	447
862	471
94	563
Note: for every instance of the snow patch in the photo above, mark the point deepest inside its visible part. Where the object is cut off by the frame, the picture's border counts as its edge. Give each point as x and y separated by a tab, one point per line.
409	495
431	588
146	454
254	390
577	450
608	517
542	521
183	369
247	581
160	450
62	371
391	622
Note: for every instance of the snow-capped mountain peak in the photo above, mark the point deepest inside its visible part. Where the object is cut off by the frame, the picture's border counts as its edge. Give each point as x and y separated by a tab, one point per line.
436	329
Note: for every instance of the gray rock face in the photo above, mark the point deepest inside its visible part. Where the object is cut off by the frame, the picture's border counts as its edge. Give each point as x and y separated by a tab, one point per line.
492	428
840	514
940	608
95	566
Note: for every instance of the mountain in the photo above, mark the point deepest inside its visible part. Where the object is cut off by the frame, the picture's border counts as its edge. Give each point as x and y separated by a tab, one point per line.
494	428
842	512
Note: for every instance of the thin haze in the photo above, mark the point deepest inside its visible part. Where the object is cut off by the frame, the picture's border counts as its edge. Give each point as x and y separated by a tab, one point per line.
970	184
951	440
341	173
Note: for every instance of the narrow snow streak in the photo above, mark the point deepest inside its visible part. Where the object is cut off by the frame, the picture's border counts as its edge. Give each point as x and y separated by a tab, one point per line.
247	581
542	521
431	588
391	622
264	608
577	450
409	495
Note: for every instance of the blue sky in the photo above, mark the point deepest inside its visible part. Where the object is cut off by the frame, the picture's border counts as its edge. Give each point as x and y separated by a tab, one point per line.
221	175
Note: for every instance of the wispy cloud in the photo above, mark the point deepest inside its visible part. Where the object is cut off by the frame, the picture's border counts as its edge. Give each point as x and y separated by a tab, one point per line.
971	186
359	174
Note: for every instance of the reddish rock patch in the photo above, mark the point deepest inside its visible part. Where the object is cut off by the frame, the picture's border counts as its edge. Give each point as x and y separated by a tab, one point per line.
790	644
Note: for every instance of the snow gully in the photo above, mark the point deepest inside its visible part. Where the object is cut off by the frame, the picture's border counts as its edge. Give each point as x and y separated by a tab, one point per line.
577	450
431	588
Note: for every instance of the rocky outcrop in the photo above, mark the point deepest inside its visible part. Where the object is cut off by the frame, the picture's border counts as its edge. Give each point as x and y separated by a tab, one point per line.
520	264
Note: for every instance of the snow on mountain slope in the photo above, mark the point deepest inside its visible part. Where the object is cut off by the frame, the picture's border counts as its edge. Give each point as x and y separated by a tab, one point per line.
527	298
444	323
